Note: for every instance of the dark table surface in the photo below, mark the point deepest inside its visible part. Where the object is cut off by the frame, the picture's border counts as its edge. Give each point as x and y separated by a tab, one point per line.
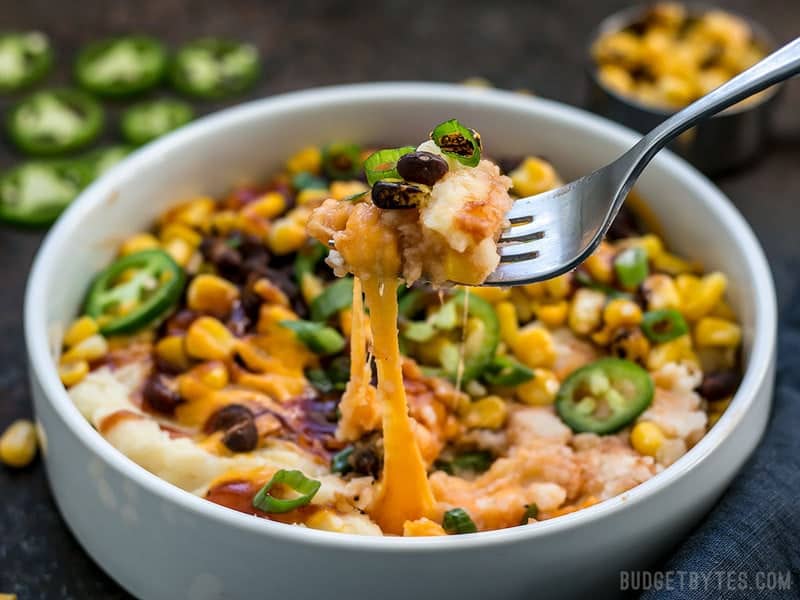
538	45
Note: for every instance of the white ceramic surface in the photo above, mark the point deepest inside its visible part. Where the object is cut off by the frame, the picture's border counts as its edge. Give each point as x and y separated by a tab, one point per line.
160	542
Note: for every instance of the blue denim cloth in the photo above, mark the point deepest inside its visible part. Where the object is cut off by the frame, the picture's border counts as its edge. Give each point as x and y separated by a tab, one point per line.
755	528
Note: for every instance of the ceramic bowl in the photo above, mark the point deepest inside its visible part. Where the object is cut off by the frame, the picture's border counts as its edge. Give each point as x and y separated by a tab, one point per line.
161	542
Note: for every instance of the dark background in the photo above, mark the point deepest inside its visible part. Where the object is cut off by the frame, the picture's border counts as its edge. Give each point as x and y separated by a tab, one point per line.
538	45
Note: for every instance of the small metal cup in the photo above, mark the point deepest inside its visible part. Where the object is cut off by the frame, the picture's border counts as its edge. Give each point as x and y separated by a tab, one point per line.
727	141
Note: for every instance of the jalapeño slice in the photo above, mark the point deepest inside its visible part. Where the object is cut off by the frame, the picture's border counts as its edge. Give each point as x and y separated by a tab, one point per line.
604	396
121	66
135	291
34	193
55	121
215	68
25	57
146	121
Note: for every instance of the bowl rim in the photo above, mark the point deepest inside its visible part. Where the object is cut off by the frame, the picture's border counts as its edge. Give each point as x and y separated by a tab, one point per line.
43	371
619	20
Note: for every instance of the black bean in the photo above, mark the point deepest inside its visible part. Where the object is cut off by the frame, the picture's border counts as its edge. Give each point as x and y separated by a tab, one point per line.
225	258
238	321
624	225
228	416
391	195
718	385
241	437
367	456
422	167
160	394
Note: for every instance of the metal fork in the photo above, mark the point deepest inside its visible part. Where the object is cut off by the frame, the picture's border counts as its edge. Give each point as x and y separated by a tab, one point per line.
553	232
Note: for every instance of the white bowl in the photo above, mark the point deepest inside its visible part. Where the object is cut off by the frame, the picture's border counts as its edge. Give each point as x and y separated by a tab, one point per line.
161	542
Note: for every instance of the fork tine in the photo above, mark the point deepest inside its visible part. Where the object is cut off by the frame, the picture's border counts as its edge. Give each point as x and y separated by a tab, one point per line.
533	230
517	252
512	273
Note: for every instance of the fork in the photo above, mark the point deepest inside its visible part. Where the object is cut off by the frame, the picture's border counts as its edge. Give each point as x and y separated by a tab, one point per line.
553	232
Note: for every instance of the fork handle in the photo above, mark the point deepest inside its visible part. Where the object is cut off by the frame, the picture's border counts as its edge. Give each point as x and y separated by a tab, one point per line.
776	67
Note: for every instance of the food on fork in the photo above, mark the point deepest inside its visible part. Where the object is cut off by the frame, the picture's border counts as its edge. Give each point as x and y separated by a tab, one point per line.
221	352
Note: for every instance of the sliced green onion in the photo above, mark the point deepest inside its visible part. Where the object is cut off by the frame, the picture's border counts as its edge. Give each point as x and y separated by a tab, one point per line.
505	371
631	267
383	164
531	512
663	325
340	461
456	520
477	462
307	259
306	181
316	336
458	141
337	296
419	331
341	161
297	481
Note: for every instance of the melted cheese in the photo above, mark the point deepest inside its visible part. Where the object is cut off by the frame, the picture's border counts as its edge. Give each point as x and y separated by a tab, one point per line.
404	493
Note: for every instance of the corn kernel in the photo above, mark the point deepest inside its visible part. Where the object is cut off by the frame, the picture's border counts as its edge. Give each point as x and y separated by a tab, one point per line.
535	291
647	438
72	372
677	350
137	243
723	310
534	176
91	348
180	250
586	311
308	159
600	264
507	316
211	294
490	294
172	351
713	417
194	213
269	292
458	267
213	374
311	287
285	237
622	48
422	527
271	314
661	292
707	295
672	264
621	312
716	332
629	343
223	222
522	304
208	339
182	232
18	444
268	206
312	196
559	287
534	346
616	79
539	391
487	413
344	189
80	330
553	315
